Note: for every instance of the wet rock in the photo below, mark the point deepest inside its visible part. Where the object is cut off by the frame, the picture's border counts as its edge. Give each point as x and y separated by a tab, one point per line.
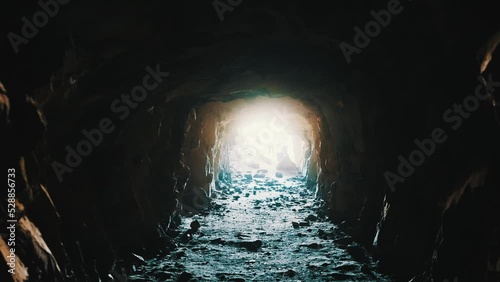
195	225
304	223
185	277
365	268
248	176
314	246
322	234
295	224
347	267
251	246
289	273
341	276
137	259
218	241
163	276
343	241
312	217
180	254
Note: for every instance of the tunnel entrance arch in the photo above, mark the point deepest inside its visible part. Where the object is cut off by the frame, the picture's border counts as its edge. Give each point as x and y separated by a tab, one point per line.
251	137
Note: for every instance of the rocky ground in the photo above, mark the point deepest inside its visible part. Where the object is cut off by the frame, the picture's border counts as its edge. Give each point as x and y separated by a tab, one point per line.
261	229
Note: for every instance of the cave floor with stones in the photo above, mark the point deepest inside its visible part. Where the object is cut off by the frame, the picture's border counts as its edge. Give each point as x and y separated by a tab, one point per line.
263	229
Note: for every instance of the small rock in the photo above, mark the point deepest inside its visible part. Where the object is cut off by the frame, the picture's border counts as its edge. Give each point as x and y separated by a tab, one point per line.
314	246
365	268
311	217
180	254
289	273
295	224
346	267
218	241
343	241
138	259
185	277
304	223
279	174
251	246
195	225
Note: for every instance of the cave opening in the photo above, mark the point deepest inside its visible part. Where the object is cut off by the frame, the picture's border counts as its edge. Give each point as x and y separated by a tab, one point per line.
249	145
251	199
266	139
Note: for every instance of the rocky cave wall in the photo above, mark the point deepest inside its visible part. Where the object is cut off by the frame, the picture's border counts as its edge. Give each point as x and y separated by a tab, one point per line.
441	222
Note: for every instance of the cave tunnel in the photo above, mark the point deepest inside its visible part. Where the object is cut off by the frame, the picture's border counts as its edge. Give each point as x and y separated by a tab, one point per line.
250	141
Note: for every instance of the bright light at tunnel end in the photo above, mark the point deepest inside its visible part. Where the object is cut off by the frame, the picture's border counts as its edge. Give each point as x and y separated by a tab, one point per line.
267	135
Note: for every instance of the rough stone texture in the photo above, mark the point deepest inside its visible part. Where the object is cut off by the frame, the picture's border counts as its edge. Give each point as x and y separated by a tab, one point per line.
121	199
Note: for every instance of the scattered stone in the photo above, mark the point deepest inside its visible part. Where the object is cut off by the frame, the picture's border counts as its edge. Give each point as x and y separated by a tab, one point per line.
163	276
314	246
179	255
347	267
195	225
185	277
137	259
312	217
295	224
218	241
304	223
251	245
343	241
279	174
365	268
248	177
259	175
289	273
